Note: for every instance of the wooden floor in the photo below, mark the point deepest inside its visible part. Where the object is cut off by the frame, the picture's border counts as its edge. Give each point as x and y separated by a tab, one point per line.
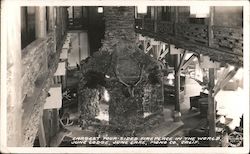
165	128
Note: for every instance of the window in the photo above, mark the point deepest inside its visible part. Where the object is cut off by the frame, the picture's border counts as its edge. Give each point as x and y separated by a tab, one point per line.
28	32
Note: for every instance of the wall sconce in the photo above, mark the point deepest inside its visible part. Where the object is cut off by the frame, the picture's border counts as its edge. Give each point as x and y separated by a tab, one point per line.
142	9
100	9
199	11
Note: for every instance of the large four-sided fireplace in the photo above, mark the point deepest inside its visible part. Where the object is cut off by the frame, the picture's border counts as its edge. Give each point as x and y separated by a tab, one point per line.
120	82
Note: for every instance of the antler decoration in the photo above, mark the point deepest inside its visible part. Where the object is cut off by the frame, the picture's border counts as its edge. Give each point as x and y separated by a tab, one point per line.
130	87
66	117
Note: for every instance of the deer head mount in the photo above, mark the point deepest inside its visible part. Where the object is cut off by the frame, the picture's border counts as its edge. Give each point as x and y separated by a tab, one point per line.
130	87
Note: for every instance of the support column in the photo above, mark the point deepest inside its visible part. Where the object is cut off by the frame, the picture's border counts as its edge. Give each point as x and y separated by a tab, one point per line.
177	113
62	19
41	22
210	28
51	18
52	24
41	134
144	45
211	107
176	15
155	19
155	51
12	13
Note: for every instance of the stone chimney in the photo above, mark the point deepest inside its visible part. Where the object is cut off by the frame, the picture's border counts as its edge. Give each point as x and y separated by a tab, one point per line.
119	24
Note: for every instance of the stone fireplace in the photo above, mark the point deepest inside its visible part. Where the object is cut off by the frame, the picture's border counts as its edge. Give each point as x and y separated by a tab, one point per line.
132	79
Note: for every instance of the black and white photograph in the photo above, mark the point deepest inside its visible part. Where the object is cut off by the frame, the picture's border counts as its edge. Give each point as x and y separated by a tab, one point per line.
124	76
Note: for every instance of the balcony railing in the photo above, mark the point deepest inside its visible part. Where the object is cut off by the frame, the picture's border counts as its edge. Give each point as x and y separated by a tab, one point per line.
228	39
193	32
165	28
223	44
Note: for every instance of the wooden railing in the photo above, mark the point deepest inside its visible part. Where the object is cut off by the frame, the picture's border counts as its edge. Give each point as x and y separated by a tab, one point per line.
193	32
228	39
165	28
222	45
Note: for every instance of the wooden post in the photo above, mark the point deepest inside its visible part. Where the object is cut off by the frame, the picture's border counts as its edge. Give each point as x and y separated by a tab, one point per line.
176	15
62	19
188	62
79	47
51	18
158	49
41	134
210	26
211	107
177	113
11	14
40	22
144	45
155	19
181	61
224	80
47	125
52	24
142	23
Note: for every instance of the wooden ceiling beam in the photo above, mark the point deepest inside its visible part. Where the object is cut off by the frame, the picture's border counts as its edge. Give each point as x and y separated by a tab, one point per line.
222	84
188	62
182	61
164	53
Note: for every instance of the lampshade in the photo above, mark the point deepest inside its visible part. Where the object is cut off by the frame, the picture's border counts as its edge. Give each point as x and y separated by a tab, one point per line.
142	9
199	11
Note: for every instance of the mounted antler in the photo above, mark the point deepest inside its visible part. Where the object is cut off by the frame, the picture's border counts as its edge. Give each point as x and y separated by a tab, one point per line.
66	117
130	87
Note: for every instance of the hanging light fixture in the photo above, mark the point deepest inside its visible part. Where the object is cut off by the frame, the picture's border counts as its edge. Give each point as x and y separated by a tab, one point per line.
142	9
199	11
100	9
